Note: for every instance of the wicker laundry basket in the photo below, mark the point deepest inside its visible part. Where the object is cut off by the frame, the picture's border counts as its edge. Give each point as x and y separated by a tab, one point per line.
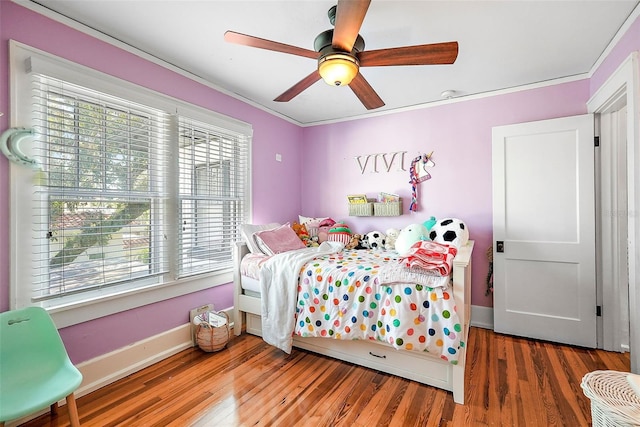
613	401
213	338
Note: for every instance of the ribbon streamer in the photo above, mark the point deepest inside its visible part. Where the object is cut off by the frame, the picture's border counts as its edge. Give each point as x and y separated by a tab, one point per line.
425	159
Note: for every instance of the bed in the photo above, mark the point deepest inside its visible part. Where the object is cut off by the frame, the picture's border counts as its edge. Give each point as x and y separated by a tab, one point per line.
433	355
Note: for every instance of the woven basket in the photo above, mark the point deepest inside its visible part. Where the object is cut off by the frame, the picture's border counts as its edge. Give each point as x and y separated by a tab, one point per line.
211	338
388	208
361	209
613	401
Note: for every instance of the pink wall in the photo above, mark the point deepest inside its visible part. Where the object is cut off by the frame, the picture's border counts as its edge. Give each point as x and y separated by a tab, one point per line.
271	135
459	134
629	42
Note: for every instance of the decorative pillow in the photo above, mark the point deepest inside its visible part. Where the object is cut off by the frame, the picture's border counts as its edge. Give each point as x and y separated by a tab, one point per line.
247	231
278	240
305	219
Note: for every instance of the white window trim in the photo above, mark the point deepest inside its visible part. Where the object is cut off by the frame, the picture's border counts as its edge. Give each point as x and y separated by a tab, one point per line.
78	312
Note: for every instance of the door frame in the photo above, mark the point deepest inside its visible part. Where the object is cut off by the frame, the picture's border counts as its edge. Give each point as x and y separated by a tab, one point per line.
623	86
611	225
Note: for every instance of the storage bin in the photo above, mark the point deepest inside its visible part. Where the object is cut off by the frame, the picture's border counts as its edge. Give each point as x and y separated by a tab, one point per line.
361	209
388	208
209	337
613	401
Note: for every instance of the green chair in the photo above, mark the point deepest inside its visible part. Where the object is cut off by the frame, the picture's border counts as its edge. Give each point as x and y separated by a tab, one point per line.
35	370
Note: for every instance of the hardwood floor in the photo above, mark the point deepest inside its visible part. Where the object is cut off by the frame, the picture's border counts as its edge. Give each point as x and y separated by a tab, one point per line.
511	382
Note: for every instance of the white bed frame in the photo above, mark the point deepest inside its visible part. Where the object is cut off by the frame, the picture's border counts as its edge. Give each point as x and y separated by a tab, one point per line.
418	366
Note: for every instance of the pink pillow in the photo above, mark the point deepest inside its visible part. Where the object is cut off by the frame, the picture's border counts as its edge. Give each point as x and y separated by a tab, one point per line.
278	240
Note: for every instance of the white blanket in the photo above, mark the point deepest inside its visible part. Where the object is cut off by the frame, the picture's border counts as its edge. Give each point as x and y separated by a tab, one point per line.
397	273
279	288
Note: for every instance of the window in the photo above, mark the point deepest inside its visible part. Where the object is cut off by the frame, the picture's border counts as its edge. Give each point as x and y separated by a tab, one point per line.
211	164
139	197
103	193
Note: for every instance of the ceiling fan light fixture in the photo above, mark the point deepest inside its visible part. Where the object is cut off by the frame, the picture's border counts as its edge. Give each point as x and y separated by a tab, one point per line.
338	69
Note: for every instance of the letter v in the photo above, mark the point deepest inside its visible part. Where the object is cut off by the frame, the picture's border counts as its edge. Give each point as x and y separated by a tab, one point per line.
363	167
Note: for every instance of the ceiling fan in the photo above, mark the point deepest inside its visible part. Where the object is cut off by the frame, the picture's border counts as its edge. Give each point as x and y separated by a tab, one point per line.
340	54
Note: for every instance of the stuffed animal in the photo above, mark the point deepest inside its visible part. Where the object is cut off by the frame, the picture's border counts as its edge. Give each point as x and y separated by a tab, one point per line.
301	231
374	240
340	232
323	229
303	234
408	236
355	242
430	223
390	241
451	231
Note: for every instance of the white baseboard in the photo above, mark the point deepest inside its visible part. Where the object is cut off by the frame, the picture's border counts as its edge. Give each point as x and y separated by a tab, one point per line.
111	367
482	317
108	368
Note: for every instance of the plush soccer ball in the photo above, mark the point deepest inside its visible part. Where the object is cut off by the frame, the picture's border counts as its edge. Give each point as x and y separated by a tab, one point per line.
451	231
374	240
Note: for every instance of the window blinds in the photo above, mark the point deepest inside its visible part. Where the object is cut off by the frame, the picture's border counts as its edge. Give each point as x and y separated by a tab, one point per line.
101	198
212	192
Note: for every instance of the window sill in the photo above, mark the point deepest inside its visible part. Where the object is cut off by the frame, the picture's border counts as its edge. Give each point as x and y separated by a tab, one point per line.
74	313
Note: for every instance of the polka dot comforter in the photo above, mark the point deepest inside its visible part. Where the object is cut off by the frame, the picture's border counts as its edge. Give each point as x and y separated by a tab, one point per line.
341	296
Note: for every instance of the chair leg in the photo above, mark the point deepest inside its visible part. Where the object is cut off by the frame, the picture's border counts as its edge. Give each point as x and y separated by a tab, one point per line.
54	408
73	411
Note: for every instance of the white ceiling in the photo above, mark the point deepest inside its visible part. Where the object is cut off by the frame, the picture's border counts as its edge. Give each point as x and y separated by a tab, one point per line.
502	44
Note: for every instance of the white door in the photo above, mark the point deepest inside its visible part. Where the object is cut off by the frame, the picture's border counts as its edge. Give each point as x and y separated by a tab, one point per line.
544	230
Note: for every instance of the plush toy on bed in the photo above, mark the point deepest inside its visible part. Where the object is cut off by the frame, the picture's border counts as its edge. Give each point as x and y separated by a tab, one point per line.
303	234
390	241
451	231
301	231
374	240
408	236
430	223
340	232
355	242
323	229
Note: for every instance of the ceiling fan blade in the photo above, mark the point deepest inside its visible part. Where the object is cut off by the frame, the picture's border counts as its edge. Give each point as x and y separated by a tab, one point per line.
243	39
424	54
297	88
349	17
365	93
